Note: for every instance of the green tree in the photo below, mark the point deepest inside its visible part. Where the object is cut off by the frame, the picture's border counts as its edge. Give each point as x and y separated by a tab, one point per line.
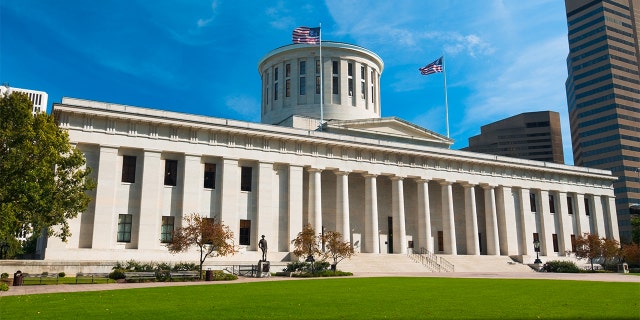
212	238
44	179
635	229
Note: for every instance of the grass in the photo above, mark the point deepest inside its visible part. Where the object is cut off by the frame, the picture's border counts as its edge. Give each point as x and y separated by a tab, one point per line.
350	298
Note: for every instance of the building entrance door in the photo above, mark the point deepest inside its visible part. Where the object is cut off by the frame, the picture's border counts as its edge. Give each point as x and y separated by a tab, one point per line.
390	225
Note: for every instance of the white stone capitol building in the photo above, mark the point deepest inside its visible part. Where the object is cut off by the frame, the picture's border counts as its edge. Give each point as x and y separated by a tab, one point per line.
389	186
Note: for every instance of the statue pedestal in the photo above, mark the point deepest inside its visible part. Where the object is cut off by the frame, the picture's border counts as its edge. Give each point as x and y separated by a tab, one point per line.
263	269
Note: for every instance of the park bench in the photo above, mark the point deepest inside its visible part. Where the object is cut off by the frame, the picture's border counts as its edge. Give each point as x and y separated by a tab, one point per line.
184	275
140	275
40	276
92	276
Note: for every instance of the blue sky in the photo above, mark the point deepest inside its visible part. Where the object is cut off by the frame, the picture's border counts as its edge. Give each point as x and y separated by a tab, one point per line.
502	57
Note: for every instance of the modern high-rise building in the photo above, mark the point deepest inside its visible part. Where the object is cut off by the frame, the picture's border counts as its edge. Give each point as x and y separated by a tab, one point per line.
529	135
39	98
603	93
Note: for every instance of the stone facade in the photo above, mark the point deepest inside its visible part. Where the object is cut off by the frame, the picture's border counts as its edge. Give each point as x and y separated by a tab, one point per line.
387	185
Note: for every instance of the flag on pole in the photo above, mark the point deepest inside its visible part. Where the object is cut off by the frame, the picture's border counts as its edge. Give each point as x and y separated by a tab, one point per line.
432	67
306	35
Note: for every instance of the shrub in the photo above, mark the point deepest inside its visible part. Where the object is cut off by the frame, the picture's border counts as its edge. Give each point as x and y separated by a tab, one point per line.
297	266
61	275
560	267
184	266
4	275
4	287
219	275
117	274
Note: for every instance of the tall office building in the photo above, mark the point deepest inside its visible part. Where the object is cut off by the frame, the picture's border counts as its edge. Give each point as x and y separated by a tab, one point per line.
529	135
39	98
603	93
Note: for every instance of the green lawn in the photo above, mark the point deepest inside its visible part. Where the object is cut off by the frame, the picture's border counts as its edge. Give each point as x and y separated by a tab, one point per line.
345	298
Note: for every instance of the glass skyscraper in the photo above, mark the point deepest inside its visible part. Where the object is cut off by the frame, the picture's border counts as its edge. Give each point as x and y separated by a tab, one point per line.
603	94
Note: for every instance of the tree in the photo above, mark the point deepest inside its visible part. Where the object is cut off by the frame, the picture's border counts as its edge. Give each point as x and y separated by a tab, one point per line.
631	253
212	238
610	251
588	246
306	243
337	249
635	229
44	179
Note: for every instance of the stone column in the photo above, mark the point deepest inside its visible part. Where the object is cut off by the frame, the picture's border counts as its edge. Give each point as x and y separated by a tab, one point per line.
315	199
192	184
493	247
598	217
527	223
295	203
580	212
448	222
371	241
397	207
229	195
546	224
150	201
424	216
105	219
612	215
265	211
342	205
471	219
564	223
507	232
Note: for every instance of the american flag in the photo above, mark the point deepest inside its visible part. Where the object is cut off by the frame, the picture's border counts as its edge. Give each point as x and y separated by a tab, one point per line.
306	35
432	67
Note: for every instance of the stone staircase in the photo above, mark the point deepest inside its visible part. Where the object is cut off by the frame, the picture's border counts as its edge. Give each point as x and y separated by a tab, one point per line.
399	263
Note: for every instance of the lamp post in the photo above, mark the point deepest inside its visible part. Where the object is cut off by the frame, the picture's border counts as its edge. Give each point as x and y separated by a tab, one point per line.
536	247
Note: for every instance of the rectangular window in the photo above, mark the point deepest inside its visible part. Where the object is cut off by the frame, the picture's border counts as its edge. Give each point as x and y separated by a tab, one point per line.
570	204
552	204
555	242
573	243
245	179
245	232
532	202
587	207
362	73
303	86
350	69
350	87
303	67
317	66
275	74
287	88
335	70
166	231
275	91
317	85
170	172
440	241
335	79
210	175
129	169
287	70
124	227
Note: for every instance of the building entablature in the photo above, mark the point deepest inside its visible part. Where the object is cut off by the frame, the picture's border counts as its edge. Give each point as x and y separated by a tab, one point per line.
194	134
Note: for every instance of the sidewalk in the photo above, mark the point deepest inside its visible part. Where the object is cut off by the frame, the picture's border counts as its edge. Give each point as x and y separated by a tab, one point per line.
48	289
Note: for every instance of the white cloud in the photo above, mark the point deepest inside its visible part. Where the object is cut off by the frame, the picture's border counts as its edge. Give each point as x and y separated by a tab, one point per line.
205	22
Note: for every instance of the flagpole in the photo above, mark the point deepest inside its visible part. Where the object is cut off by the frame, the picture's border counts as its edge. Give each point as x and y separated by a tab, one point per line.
321	82
446	100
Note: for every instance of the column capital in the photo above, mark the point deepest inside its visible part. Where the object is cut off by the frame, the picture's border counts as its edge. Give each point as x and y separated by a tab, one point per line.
342	173
396	178
468	185
370	175
314	170
487	186
445	183
422	180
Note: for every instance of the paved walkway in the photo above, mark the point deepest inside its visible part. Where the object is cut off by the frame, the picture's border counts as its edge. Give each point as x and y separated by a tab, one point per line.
47	289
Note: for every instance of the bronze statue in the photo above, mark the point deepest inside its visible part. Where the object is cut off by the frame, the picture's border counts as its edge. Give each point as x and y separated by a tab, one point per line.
262	244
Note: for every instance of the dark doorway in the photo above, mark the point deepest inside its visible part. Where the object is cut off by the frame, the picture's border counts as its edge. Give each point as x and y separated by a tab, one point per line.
390	240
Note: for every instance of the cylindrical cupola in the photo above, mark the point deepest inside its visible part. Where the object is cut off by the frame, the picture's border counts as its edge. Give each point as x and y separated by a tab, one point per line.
291	82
